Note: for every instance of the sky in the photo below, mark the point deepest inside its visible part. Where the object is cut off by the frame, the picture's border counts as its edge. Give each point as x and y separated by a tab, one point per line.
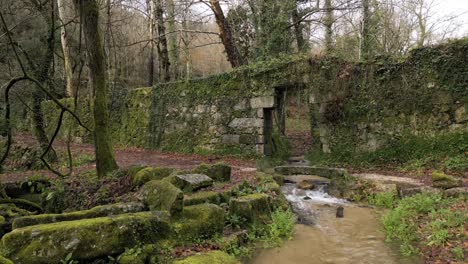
448	7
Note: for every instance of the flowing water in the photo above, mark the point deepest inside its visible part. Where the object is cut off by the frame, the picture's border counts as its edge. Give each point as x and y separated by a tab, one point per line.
325	239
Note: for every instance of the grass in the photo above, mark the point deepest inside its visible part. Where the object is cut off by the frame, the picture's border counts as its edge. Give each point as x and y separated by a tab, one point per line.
426	221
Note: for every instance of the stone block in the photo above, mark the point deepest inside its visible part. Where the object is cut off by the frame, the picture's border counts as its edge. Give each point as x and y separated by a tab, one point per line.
246	123
192	182
230	139
248	139
199	221
212	257
202	197
148	174
218	172
310	170
163	196
262	102
99	211
86	239
461	115
254	207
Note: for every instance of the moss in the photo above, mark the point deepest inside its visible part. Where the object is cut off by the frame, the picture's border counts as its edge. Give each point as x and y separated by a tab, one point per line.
218	172
213	257
138	255
4	260
199	221
202	197
99	211
444	181
254	208
148	174
84	239
162	195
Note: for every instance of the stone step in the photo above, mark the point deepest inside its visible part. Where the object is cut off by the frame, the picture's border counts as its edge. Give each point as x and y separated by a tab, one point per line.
310	170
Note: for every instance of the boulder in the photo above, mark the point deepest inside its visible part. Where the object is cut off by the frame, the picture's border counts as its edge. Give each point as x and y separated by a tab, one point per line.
305	185
253	208
192	182
456	192
219	172
148	174
85	239
310	170
213	257
444	181
99	211
202	197
407	192
199	221
162	195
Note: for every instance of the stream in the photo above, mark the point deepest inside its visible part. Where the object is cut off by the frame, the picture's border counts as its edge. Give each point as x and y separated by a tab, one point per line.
322	238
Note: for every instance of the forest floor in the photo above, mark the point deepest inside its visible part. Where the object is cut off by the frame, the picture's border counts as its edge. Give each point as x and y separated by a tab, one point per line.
127	156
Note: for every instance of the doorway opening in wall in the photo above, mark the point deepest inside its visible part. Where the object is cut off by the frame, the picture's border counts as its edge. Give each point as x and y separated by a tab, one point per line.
294	119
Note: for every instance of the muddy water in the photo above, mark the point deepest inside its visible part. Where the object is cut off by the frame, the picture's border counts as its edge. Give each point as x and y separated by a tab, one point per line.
325	239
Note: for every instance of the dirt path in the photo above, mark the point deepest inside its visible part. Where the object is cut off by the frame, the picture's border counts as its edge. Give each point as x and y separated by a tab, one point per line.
135	156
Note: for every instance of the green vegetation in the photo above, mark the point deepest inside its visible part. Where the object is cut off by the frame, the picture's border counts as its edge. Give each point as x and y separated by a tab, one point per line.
426	220
383	199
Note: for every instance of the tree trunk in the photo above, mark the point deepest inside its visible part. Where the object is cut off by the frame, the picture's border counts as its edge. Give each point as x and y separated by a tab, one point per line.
89	10
301	44
152	23
172	39
366	30
328	26
163	53
42	73
66	50
225	34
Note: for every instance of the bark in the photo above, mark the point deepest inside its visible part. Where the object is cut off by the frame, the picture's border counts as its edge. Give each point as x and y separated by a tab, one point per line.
328	26
301	44
233	55
66	50
89	11
152	23
42	73
172	39
366	30
163	53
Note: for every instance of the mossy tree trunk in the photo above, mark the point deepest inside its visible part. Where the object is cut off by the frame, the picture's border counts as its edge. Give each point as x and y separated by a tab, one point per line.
163	53
328	26
89	12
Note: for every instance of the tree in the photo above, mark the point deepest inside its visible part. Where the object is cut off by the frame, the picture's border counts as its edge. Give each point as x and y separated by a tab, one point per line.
163	53
89	12
65	49
233	55
328	22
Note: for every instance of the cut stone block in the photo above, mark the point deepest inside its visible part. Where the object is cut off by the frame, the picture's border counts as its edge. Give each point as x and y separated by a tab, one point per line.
85	239
262	102
148	174
202	197
253	208
218	172
230	139
310	170
246	123
199	221
99	211
163	196
192	182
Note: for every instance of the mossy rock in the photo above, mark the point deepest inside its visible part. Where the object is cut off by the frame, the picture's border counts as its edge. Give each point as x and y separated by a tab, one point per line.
219	172
202	197
444	181
4	260
99	211
148	174
254	208
213	257
310	170
199	221
162	195
137	255
84	239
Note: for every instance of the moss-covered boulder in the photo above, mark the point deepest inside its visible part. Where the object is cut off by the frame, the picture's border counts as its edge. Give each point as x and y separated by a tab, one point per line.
84	239
192	182
148	174
202	197
4	260
99	211
219	172
162	195
138	255
254	208
199	221
213	257
444	181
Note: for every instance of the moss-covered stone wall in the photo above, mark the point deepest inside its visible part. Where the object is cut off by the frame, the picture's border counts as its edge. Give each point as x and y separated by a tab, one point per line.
355	106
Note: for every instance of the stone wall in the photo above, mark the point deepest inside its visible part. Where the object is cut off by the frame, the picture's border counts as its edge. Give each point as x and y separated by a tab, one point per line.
354	106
